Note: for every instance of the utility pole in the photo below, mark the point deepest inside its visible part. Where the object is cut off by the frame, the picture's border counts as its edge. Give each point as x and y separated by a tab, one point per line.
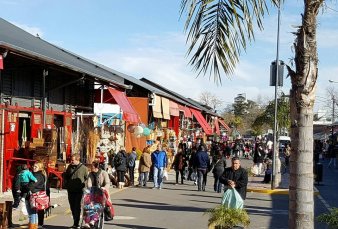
332	126
275	153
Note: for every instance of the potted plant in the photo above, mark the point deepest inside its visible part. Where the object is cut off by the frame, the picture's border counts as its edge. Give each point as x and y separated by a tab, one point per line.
331	218
222	217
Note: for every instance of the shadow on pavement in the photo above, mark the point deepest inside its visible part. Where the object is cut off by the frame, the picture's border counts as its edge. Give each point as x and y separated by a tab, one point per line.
161	207
143	202
133	226
207	196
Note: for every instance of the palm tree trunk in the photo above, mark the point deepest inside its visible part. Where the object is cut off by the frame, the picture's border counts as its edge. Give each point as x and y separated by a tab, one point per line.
302	97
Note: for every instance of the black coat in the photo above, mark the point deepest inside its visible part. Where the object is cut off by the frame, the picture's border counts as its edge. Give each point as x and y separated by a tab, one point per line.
239	176
219	166
42	183
123	166
259	154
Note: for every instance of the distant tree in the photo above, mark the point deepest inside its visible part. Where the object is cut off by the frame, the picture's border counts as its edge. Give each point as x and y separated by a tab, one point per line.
209	99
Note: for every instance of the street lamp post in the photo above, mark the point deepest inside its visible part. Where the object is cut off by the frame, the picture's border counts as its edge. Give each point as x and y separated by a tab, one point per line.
274	172
333	110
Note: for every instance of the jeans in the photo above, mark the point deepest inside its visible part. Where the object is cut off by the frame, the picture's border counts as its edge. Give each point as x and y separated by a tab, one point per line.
32	214
201	179
217	184
131	174
158	177
177	174
144	178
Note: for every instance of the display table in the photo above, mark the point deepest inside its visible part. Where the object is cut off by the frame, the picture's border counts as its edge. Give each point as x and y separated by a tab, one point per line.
16	161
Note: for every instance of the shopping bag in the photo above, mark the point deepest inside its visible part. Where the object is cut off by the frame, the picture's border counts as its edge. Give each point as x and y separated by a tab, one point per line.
165	175
39	200
23	207
232	199
254	169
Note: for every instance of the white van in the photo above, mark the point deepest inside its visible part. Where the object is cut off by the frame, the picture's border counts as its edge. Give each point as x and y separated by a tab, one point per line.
283	140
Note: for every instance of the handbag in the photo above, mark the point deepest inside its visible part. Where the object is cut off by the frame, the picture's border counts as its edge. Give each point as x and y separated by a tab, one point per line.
39	200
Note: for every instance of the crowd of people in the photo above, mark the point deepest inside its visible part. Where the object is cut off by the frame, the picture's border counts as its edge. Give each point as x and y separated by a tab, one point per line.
190	163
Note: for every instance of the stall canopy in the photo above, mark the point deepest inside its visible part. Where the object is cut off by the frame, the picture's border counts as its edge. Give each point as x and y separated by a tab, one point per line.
217	126
157	112
224	124
129	114
174	111
186	110
200	119
165	108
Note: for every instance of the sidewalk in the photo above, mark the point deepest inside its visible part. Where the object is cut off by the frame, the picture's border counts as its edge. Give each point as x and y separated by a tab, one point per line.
57	197
255	185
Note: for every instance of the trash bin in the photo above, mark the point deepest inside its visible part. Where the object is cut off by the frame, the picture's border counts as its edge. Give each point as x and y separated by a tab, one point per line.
319	172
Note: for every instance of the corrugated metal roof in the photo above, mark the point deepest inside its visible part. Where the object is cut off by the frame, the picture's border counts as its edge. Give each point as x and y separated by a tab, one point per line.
146	86
17	40
189	101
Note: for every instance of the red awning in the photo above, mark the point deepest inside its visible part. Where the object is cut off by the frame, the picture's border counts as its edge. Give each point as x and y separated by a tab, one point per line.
217	126
224	124
129	114
186	110
199	117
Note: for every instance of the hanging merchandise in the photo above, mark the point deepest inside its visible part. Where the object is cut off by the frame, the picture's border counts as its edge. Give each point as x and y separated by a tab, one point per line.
131	128
138	130
146	131
151	125
118	130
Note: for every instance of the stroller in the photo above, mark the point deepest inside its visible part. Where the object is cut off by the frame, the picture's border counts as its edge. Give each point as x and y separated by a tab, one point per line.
94	201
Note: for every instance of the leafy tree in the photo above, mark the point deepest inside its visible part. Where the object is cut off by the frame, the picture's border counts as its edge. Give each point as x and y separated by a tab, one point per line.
267	117
218	31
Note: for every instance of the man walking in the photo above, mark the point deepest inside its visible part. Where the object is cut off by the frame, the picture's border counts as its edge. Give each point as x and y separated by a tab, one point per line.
159	160
75	178
235	177
131	165
202	163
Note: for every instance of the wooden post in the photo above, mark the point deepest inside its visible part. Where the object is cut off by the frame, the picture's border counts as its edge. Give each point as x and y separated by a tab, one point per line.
9	205
2	213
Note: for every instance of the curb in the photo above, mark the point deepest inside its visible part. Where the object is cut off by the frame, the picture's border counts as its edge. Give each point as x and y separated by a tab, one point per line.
276	191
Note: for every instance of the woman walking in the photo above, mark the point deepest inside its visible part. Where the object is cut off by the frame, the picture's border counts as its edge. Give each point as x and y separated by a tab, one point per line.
36	217
219	167
144	167
120	163
178	165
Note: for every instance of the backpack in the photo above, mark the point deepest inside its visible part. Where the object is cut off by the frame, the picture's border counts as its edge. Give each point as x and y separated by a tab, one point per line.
118	160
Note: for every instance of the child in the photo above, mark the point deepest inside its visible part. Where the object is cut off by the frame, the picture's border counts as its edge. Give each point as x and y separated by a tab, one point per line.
16	187
91	214
25	177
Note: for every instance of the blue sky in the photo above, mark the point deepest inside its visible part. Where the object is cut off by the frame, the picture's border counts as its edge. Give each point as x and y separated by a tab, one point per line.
145	38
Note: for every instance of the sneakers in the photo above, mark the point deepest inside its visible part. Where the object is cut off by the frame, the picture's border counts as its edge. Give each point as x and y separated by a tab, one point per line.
75	226
92	223
86	225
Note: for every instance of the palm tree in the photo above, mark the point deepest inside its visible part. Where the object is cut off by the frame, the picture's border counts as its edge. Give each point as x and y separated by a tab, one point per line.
217	32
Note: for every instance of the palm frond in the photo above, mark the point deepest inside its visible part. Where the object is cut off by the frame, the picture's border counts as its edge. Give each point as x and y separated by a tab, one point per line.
218	30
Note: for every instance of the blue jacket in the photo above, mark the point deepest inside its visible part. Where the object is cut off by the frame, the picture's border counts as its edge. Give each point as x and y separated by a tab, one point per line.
26	176
159	159
202	160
